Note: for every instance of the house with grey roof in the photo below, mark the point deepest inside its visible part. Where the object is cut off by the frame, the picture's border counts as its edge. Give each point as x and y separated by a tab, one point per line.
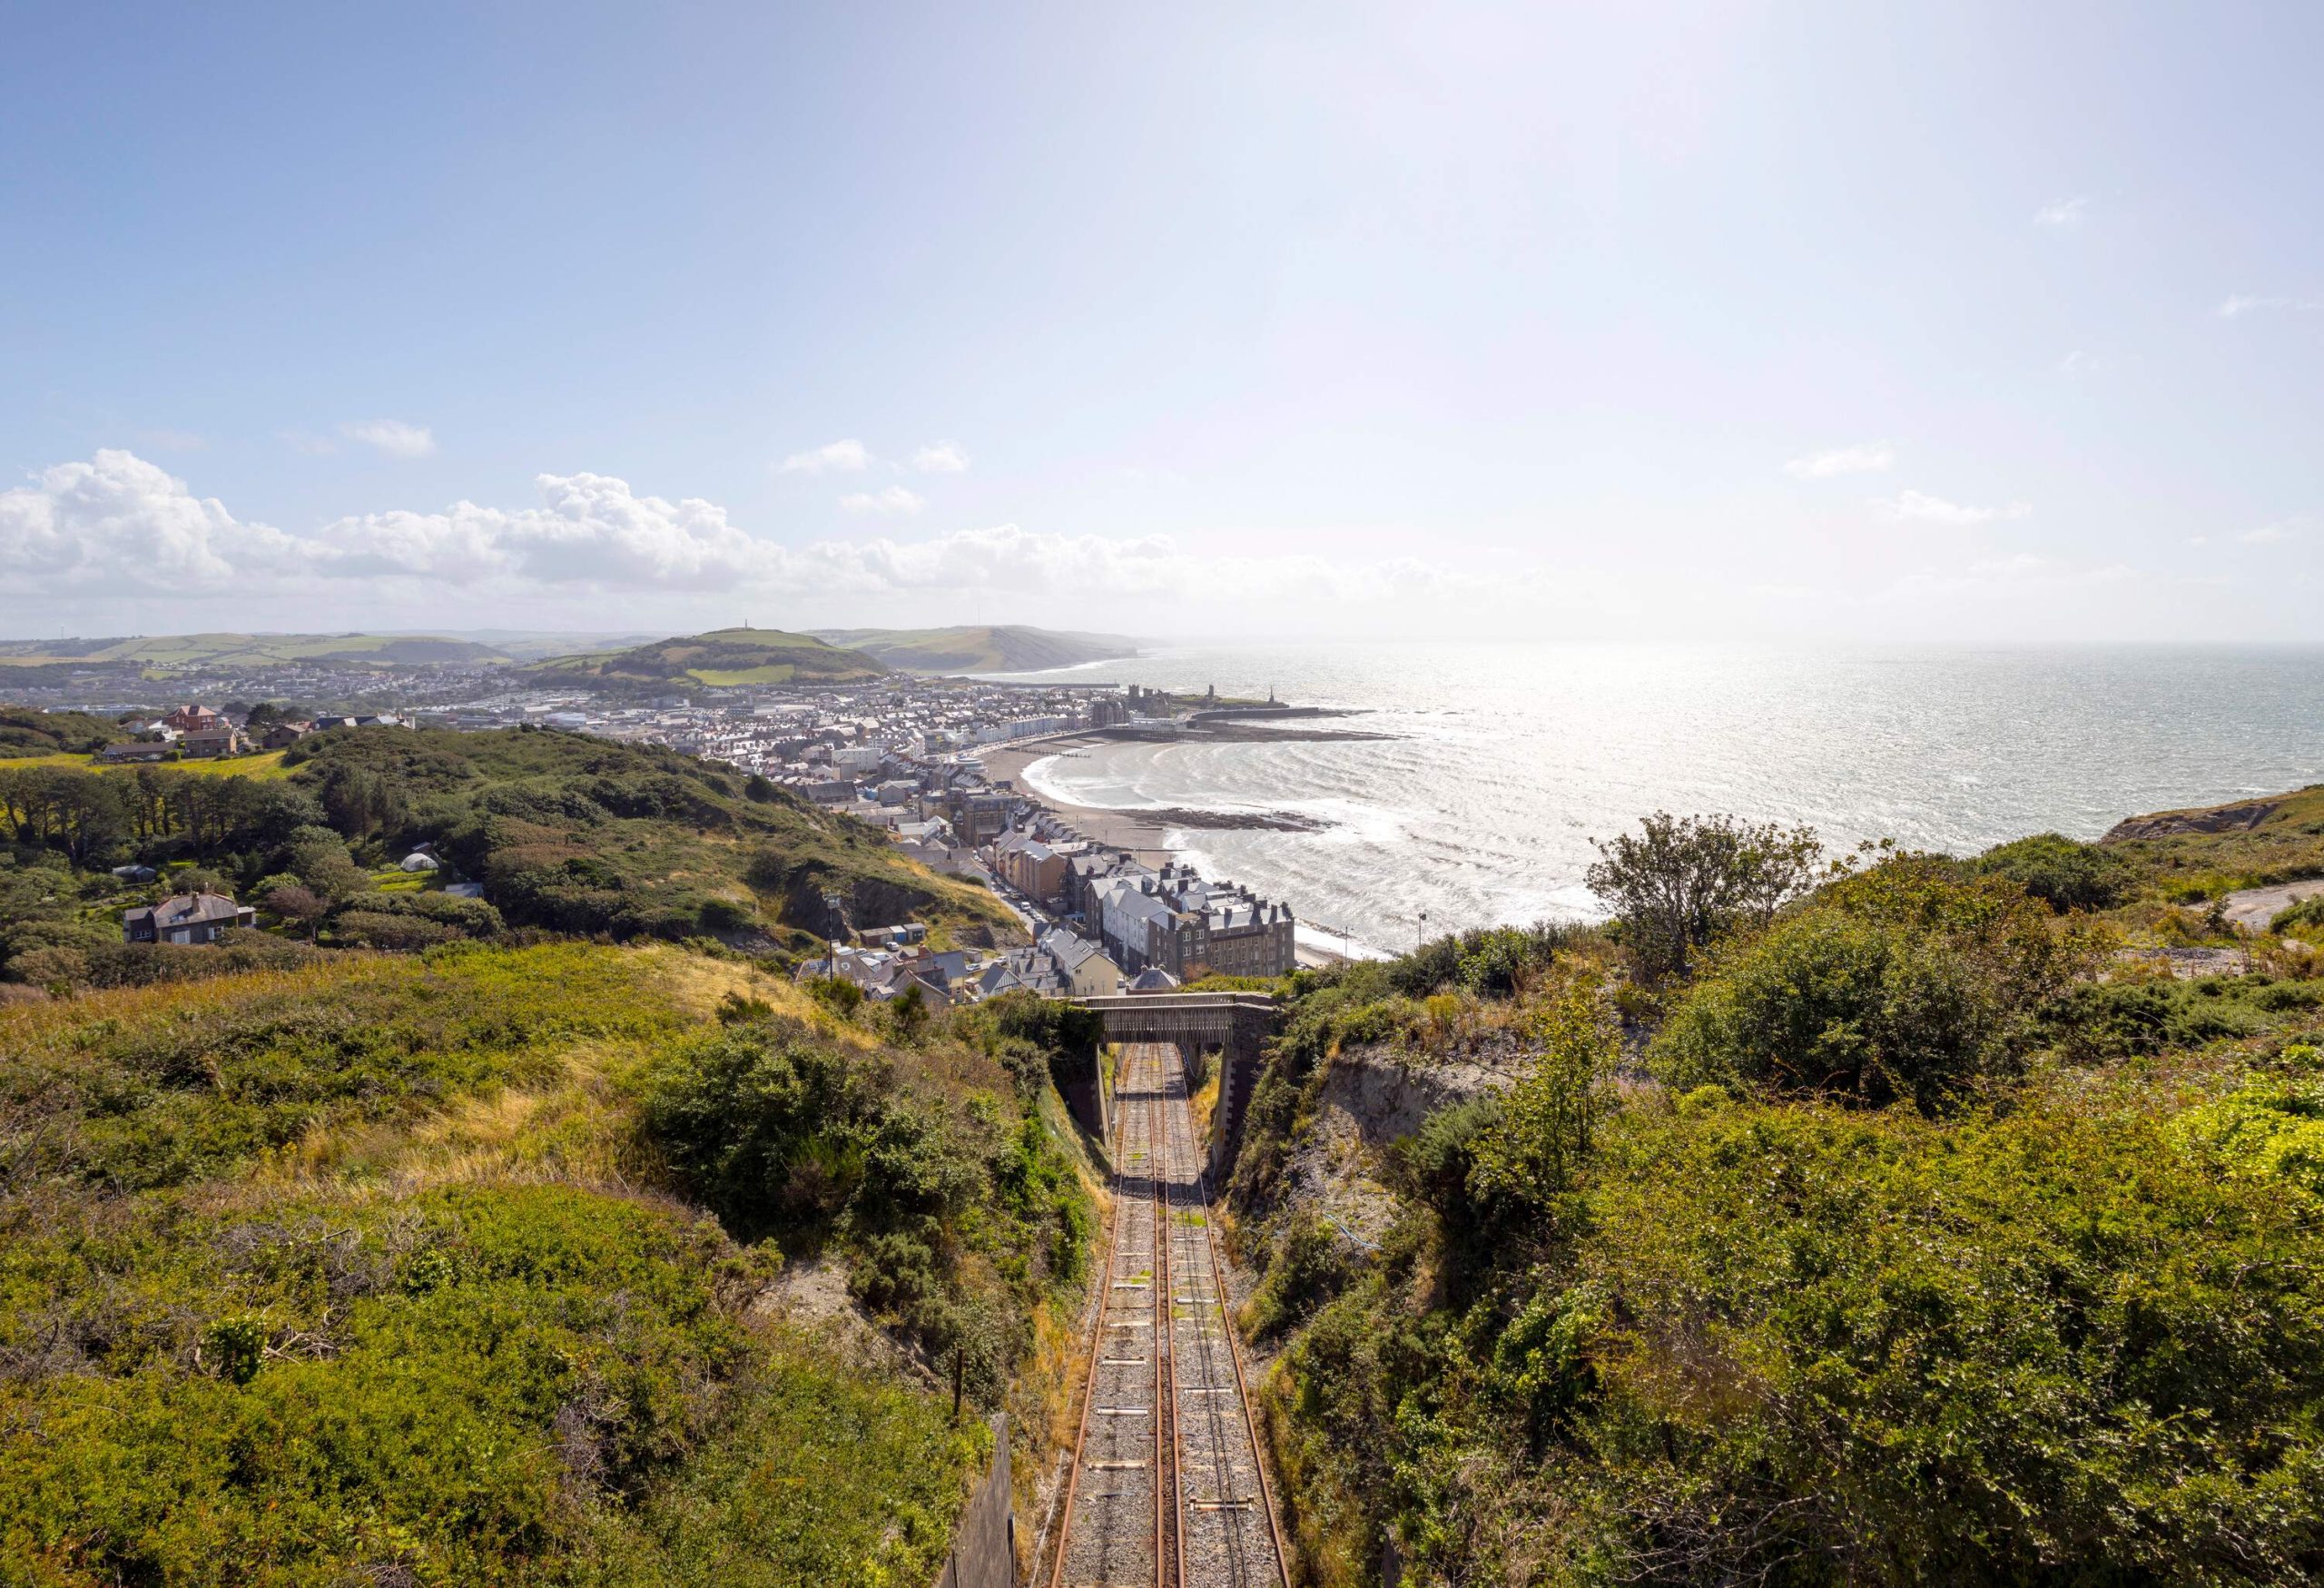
187	918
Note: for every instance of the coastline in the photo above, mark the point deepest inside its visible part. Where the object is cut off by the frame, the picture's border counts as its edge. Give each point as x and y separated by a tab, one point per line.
1143	834
1139	832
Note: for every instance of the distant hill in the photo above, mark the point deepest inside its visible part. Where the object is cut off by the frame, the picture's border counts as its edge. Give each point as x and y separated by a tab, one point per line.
536	645
1009	650
252	650
721	658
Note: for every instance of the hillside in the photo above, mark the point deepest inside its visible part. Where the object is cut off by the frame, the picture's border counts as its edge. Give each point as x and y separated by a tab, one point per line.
1009	650
567	835
27	732
1925	1232
723	658
2207	850
252	650
479	1268
585	835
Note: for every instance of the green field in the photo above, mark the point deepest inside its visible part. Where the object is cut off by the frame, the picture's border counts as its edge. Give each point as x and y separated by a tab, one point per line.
265	764
728	677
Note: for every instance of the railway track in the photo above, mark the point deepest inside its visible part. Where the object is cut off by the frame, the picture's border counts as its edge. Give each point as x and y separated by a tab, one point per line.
1165	1490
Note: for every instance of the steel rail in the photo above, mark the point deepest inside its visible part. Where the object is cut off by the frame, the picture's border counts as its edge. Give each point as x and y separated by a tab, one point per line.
1097	1350
1243	1389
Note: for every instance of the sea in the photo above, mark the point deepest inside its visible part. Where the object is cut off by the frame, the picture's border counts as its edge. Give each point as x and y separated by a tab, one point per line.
1502	762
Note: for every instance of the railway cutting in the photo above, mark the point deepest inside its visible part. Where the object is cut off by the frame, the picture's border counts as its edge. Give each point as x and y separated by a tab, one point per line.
1166	1489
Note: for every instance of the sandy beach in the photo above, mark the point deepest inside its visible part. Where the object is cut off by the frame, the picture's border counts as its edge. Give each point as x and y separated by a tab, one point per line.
1143	834
1135	831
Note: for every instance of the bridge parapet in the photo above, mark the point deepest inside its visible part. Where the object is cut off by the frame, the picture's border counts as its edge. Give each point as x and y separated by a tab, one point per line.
1236	1023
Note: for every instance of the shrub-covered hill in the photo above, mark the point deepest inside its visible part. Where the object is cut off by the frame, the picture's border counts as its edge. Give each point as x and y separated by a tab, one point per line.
581	834
431	1270
25	733
566	833
1909	1236
721	658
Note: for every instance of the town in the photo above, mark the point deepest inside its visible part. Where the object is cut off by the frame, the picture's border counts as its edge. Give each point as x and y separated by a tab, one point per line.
903	755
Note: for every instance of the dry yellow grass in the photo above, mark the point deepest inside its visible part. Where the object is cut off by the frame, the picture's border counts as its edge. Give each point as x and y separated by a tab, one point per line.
266	766
185	1001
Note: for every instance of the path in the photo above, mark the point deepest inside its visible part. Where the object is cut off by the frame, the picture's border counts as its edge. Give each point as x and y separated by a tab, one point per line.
2255	907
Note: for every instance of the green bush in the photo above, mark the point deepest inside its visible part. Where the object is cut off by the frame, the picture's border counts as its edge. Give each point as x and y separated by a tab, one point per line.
303	1436
2113	1020
213	1375
2060	872
1903	982
1795	1342
2306	912
953	1215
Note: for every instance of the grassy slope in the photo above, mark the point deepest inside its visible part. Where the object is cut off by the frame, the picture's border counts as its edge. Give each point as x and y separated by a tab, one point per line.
1002	649
724	656
347	1272
529	797
24	732
2074	1338
2287	843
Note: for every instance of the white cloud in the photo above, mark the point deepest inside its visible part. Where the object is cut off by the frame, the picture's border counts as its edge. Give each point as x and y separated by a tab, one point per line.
1926	508
2241	303
1866	458
392	436
941	458
117	525
895	499
2274	533
847	456
2065	213
119	522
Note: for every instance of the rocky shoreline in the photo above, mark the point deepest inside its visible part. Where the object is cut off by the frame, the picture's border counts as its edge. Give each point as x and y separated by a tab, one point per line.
1234	821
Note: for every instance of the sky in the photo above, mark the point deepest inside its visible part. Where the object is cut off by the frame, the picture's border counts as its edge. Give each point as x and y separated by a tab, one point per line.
1955	322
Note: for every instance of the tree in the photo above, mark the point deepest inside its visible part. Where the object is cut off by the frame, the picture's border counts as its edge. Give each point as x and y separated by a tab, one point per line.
323	862
1683	881
296	901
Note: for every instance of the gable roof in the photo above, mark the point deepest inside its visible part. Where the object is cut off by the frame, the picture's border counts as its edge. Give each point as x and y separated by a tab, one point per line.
187	909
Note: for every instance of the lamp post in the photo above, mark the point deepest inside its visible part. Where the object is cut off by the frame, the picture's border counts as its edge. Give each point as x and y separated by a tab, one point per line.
1420	928
835	921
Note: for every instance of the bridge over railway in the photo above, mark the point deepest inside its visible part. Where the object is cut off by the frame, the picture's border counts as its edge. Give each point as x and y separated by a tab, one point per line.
1233	1025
